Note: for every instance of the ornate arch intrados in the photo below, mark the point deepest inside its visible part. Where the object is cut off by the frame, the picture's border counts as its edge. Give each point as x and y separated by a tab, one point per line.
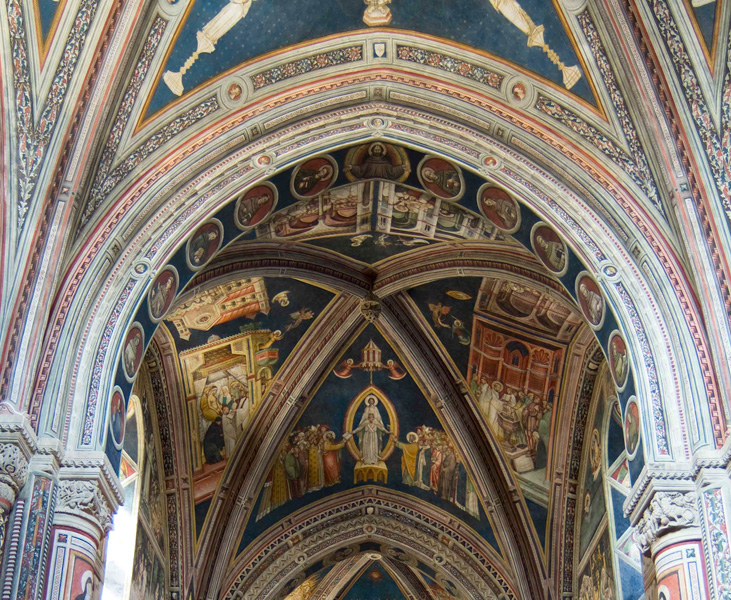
121	293
369	519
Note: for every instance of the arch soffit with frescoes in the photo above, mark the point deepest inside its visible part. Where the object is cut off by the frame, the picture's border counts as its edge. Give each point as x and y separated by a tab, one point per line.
571	236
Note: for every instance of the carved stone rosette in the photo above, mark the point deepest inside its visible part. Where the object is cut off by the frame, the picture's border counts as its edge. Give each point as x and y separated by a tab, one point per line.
667	511
84	498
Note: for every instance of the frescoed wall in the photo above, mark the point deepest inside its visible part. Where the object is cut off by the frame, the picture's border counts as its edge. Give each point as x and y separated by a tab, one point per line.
592	495
597	579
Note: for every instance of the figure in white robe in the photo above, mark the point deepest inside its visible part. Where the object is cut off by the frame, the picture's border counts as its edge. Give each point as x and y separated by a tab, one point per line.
493	405
370	433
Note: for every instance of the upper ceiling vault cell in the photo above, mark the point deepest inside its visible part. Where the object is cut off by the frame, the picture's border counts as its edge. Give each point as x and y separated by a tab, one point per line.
214	36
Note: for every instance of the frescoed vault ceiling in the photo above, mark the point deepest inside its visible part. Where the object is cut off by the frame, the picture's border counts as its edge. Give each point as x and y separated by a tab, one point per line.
363	451
214	36
370	300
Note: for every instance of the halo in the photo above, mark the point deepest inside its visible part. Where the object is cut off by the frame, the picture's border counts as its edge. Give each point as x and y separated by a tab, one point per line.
86	576
500	387
374	144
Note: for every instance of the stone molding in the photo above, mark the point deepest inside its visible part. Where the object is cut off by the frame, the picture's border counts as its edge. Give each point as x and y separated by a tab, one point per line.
666	512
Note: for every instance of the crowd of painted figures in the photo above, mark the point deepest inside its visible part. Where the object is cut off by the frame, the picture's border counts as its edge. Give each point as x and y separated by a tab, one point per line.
430	461
517	419
311	460
228	411
307	462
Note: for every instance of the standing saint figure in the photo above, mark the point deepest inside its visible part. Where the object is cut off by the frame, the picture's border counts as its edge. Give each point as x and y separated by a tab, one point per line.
370	433
408	460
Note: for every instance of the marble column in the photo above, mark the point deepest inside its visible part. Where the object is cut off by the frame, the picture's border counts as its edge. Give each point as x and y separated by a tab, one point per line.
88	495
669	532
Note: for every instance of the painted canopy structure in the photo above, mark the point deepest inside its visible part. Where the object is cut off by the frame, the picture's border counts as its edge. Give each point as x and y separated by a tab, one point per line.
344	300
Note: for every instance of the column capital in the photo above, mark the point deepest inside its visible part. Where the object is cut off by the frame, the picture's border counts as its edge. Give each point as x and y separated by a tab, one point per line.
88	493
13	473
17	445
666	512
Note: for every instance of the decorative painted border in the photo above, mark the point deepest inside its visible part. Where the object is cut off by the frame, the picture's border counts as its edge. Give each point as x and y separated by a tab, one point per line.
121	121
661	437
98	368
647	182
315	62
717	145
450	65
140	153
717	545
33	140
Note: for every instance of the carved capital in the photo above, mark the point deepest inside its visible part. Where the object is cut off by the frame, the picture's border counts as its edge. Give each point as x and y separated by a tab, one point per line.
84	498
370	307
13	474
667	511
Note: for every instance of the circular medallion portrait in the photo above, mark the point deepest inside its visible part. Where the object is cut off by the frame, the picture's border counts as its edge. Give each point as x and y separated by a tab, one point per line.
117	415
441	178
254	205
377	161
162	293
632	427
595	453
134	345
519	92
313	177
204	243
549	248
618	360
590	300
499	208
